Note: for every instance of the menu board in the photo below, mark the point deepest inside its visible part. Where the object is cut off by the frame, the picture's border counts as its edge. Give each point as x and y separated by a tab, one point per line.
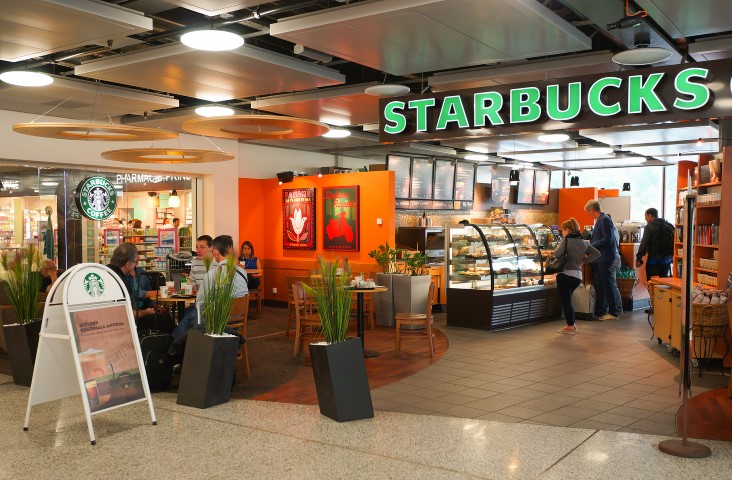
525	190
400	167
444	180
464	181
500	190
541	187
421	178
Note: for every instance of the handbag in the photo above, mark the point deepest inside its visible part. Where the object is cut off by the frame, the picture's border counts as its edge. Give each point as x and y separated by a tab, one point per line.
555	264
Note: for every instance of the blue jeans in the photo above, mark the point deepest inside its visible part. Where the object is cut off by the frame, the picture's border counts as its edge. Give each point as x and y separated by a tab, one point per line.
606	289
189	320
566	286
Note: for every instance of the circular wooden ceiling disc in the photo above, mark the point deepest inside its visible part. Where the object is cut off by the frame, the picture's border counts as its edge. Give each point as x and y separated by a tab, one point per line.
255	127
167	155
89	131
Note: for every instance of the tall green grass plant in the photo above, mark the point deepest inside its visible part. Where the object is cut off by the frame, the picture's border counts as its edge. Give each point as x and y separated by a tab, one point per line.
20	270
217	297
332	298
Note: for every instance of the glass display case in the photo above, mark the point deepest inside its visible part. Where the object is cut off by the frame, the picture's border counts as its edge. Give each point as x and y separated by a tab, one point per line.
495	275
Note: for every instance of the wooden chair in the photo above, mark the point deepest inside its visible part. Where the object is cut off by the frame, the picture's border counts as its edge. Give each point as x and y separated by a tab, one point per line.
418	319
307	324
238	321
256	294
291	304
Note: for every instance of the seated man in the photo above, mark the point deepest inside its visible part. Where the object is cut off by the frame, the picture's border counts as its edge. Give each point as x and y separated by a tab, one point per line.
222	246
123	262
198	268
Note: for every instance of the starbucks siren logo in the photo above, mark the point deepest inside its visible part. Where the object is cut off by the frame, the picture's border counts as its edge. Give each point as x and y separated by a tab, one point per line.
94	285
96	198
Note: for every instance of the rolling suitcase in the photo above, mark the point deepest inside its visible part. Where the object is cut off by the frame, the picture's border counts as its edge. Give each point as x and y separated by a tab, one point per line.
583	300
158	363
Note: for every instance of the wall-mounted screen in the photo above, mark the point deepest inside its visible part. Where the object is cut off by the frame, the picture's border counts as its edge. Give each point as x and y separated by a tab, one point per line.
400	166
542	179
421	178
464	181
525	189
444	180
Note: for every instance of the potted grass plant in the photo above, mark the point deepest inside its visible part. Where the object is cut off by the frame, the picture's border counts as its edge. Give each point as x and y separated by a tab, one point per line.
339	368
209	360
19	272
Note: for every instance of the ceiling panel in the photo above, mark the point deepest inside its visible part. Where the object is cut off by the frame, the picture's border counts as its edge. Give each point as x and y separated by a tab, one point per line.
643	134
607	163
335	106
216	7
409	36
171	120
506	144
81	100
711	49
356	142
31	28
213	76
526	72
689	19
564	155
674	148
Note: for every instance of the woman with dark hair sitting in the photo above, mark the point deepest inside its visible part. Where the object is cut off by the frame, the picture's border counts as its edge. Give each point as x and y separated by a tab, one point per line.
250	262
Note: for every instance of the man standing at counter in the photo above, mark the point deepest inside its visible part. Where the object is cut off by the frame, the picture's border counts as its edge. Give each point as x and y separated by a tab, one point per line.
658	242
605	239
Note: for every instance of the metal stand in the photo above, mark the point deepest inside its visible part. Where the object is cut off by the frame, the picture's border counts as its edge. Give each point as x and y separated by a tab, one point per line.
683	447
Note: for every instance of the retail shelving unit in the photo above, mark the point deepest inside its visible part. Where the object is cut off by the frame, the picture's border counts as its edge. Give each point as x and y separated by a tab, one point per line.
145	240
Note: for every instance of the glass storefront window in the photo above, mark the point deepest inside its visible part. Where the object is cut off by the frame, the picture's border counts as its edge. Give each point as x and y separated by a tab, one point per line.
38	205
646	186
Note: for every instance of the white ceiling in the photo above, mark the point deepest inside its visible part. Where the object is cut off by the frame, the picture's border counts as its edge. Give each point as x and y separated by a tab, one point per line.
411	36
31	28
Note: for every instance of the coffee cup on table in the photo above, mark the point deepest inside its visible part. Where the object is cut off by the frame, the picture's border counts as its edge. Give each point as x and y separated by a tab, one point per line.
164	292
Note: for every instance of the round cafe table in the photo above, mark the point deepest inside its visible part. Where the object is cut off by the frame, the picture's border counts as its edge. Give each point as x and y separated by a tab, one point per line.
360	317
181	302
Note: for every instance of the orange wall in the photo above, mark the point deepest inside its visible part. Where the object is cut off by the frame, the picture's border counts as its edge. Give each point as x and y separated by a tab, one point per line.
572	204
260	221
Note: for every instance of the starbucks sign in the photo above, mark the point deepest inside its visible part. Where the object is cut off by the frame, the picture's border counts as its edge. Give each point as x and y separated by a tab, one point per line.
96	198
93	285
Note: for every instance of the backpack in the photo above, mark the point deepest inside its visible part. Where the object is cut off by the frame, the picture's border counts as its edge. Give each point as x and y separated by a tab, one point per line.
666	243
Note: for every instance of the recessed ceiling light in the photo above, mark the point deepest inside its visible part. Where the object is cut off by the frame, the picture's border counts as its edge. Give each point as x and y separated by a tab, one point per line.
387	90
642	56
26	79
600	150
212	40
337	133
49	184
214	111
554	137
35	190
476	156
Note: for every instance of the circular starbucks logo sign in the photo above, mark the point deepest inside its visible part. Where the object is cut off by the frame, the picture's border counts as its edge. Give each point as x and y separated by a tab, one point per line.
96	198
93	285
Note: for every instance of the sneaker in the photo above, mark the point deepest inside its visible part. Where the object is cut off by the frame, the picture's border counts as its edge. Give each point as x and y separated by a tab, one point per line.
608	316
568	330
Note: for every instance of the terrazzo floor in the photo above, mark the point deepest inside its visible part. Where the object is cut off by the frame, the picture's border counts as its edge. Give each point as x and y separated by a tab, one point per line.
256	439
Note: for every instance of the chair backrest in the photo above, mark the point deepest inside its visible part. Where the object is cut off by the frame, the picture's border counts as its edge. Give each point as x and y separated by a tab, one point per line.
294	280
239	314
430	301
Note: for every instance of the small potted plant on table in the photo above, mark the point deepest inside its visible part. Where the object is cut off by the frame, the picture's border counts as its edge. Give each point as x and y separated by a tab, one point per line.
22	283
339	368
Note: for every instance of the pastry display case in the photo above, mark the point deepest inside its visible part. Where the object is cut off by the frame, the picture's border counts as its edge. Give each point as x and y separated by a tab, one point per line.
495	275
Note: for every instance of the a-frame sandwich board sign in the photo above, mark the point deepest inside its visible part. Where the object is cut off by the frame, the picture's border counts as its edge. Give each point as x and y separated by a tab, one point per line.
88	345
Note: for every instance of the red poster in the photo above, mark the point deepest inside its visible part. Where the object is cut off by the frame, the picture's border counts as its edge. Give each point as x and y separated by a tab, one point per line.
298	214
341	225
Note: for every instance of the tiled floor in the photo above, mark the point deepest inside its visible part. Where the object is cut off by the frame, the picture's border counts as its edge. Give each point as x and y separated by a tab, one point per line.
610	376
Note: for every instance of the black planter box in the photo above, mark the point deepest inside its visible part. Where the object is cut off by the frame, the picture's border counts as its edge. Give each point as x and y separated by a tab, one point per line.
208	370
22	344
341	381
